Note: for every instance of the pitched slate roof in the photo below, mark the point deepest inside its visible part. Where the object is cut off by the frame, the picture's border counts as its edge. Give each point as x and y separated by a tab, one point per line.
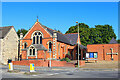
82	47
60	37
4	31
113	41
38	47
72	38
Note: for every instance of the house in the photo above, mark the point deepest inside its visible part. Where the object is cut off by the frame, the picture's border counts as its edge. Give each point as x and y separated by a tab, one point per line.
106	52
43	43
8	44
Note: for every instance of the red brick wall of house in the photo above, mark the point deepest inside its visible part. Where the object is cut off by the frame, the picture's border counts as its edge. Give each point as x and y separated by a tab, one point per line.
40	54
47	37
102	49
24	54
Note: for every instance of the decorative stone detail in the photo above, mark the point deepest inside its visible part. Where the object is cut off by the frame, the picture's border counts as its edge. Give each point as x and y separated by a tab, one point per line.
54	45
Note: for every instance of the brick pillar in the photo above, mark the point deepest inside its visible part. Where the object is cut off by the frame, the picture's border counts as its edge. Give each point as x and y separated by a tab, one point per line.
54	45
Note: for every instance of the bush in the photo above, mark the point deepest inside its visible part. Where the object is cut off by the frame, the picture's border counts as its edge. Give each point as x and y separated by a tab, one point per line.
65	59
68	55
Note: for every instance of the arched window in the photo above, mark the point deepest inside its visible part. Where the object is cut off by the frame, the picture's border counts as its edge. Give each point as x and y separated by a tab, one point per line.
40	39
37	38
32	51
25	45
50	46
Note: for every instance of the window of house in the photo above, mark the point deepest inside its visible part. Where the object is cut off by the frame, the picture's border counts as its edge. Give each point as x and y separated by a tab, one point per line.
34	40
50	46
37	38
40	39
25	45
32	51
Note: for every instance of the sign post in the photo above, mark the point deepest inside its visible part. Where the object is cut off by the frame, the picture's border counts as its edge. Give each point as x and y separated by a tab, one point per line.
32	68
10	66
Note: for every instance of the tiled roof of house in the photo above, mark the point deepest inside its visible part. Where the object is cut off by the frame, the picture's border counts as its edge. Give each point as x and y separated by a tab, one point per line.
4	31
113	41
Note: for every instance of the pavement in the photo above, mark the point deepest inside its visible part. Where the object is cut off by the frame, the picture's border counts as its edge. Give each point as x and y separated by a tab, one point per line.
58	72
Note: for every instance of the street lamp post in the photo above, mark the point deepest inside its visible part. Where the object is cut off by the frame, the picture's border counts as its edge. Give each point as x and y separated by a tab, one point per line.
50	58
78	43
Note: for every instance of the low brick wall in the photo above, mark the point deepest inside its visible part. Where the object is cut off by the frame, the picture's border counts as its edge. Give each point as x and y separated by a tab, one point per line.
55	63
42	63
81	62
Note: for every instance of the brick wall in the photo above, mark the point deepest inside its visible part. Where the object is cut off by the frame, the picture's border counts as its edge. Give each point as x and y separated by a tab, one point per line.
81	62
24	54
43	63
102	49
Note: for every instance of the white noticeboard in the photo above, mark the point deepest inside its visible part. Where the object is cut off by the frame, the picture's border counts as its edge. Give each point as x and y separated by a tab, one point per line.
87	55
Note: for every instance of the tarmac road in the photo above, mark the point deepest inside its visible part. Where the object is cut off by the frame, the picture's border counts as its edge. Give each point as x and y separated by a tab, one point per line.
59	73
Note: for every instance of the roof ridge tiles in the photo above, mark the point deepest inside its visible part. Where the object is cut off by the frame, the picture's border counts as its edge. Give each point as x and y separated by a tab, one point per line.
70	33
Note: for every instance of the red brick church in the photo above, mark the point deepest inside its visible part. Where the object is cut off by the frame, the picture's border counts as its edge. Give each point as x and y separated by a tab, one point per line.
40	40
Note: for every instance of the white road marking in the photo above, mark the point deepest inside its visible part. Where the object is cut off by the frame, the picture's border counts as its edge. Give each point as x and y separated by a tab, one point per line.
56	73
67	72
34	75
51	74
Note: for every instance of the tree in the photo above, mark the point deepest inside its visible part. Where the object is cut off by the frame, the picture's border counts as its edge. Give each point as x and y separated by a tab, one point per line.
84	32
106	33
59	31
118	40
101	34
23	31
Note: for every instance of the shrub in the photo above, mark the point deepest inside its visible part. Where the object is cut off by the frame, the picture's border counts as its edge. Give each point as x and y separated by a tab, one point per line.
63	59
68	55
67	59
